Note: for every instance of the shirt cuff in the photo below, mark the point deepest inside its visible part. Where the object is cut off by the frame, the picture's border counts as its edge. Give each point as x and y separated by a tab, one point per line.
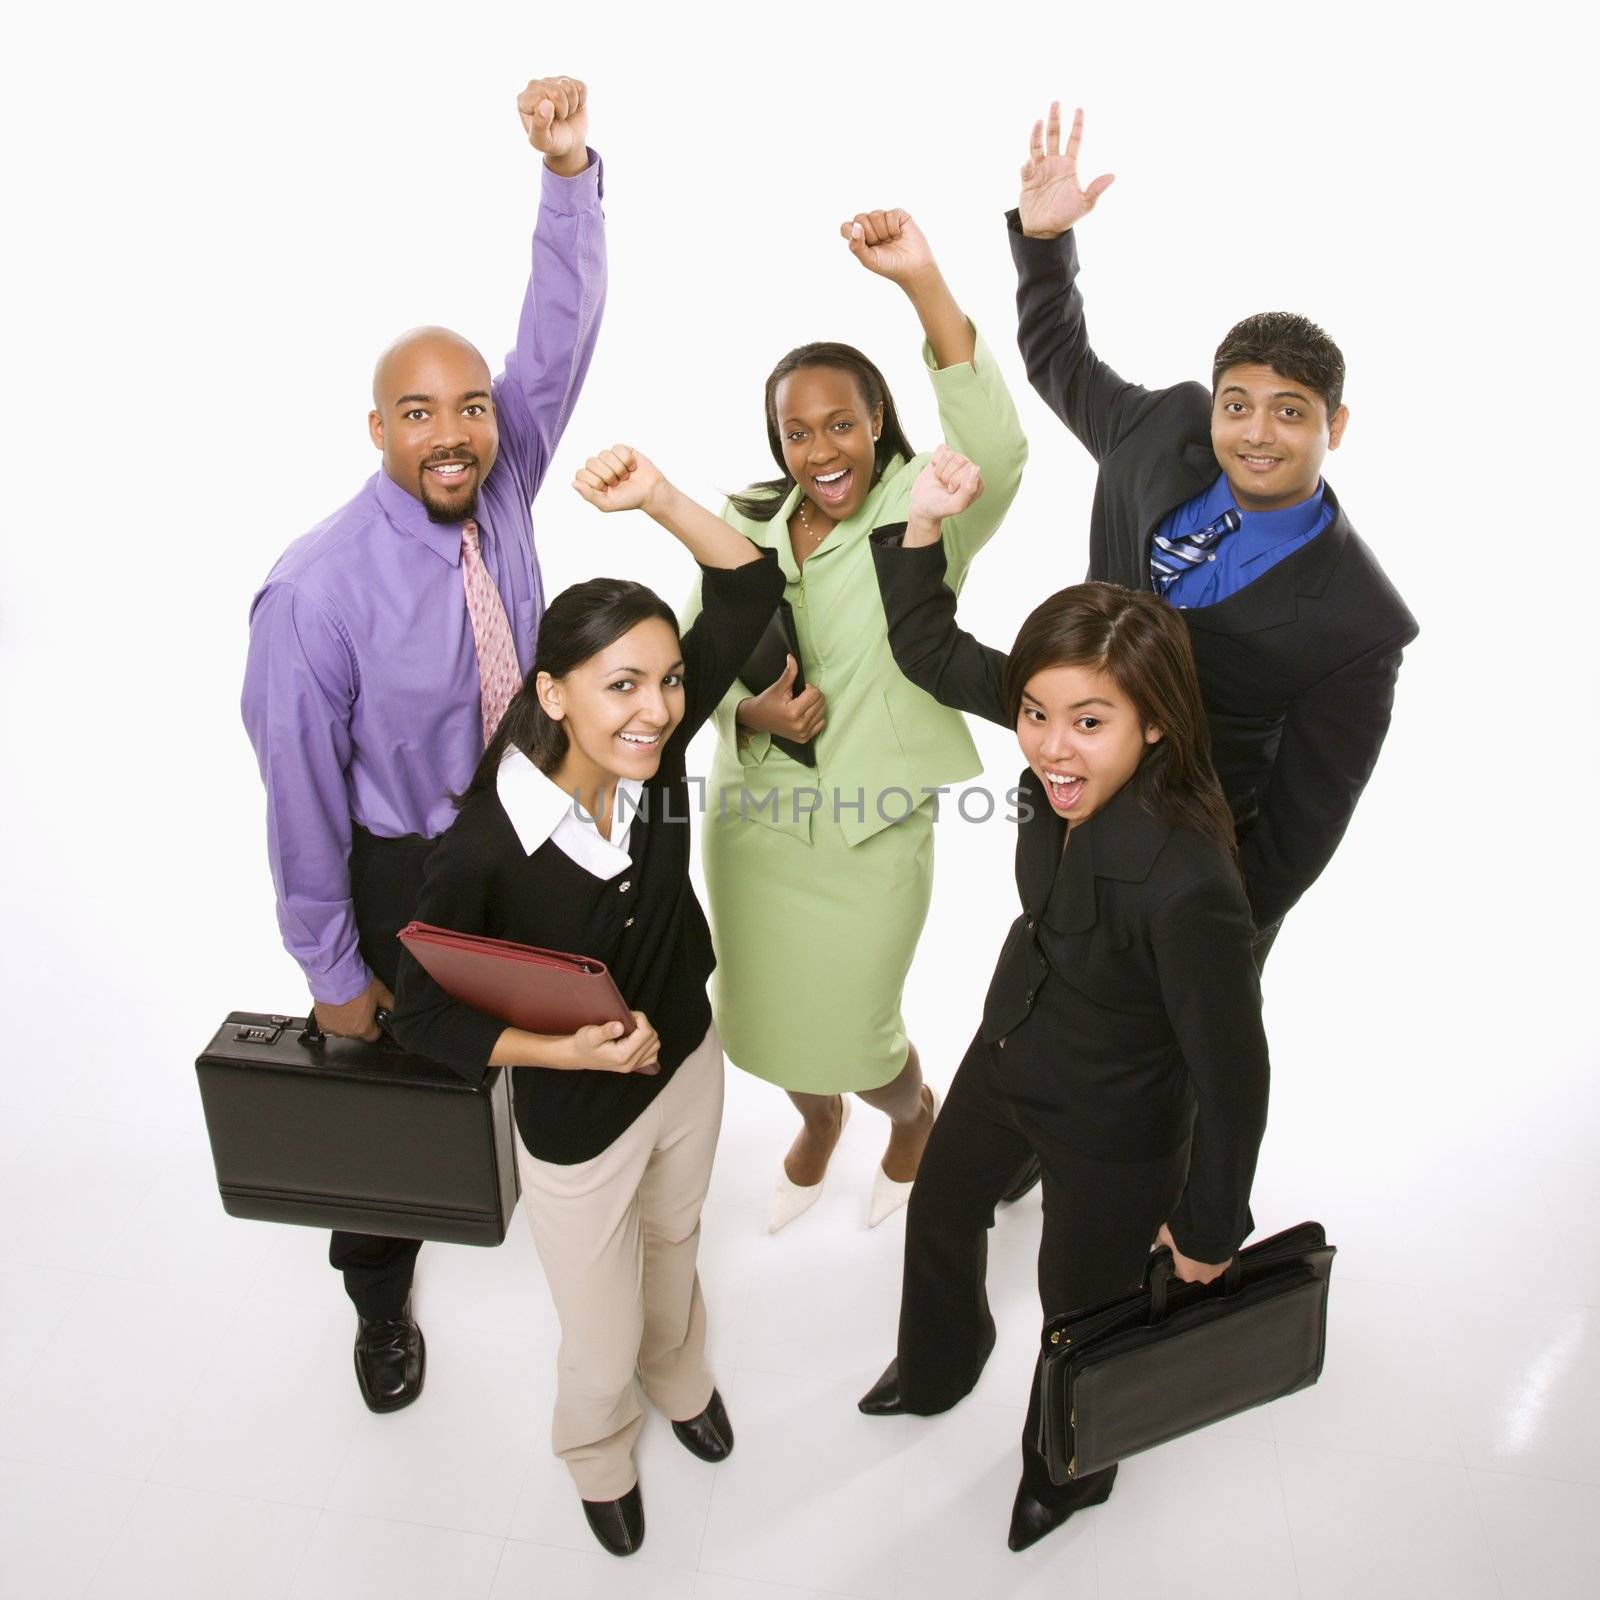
1059	252
569	196
962	374
341	983
750	744
888	546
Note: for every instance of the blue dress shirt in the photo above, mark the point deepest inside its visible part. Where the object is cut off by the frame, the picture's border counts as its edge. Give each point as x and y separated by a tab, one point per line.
1264	538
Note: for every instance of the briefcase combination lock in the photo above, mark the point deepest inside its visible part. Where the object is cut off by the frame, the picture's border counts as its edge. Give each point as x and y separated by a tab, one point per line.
260	1033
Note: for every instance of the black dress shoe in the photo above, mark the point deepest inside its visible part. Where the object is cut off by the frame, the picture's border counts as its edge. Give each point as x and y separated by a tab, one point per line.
710	1435
883	1398
1032	1519
390	1361
618	1524
1025	1180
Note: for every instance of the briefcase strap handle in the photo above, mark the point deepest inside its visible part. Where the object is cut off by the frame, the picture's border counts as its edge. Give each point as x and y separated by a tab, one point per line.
312	1032
1160	1276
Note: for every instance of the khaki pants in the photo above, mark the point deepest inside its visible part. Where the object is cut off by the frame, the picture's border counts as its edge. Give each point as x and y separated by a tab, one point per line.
618	1236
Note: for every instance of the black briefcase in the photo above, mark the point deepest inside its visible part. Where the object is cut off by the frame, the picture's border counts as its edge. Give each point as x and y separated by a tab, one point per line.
338	1133
1172	1357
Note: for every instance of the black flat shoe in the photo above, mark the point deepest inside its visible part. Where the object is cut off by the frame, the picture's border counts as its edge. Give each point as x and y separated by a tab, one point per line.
1032	1519
618	1524
1025	1180
883	1398
710	1435
390	1361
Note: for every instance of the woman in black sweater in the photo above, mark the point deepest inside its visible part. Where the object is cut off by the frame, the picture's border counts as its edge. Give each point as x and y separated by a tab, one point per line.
574	835
1121	1042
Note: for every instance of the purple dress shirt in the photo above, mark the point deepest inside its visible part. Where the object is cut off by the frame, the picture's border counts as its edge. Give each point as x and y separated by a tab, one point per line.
361	687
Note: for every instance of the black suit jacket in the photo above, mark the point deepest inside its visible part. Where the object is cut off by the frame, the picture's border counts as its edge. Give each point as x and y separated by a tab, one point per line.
1298	669
1125	1005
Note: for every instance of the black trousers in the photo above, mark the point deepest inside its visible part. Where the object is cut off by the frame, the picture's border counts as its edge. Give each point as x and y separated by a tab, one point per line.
1099	1220
385	883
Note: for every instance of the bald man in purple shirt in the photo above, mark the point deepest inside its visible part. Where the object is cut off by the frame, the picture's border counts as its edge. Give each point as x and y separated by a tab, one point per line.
362	691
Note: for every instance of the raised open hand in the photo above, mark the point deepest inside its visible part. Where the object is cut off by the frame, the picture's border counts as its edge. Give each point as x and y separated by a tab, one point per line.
888	243
555	116
944	488
618	479
1052	199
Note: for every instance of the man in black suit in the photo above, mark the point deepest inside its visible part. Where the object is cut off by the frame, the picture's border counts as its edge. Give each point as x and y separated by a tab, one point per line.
1215	499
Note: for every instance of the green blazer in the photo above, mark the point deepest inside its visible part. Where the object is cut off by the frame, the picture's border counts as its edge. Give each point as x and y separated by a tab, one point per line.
886	741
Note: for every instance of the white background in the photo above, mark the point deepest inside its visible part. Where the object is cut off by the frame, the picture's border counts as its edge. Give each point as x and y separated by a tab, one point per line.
216	220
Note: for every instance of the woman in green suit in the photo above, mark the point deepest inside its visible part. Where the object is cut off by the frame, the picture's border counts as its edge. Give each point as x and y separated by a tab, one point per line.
820	878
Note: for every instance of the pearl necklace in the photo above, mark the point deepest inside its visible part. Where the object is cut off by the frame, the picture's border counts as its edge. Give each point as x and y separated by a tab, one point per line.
806	522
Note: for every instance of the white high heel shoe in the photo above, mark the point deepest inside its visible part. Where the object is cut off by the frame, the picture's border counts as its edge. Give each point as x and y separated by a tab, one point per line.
789	1199
887	1195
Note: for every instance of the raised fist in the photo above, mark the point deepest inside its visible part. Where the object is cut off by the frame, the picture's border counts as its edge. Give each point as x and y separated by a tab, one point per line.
555	116
888	243
945	487
618	479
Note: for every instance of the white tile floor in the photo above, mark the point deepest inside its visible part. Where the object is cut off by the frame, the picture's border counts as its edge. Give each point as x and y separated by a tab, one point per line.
178	1417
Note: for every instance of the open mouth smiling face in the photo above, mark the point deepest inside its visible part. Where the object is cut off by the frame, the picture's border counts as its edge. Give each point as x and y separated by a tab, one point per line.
827	434
1082	737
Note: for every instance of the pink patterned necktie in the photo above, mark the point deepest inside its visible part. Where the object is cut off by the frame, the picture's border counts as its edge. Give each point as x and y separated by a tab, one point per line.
499	676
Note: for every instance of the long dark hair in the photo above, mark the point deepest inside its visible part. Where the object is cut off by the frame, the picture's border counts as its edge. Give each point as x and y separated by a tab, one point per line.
760	501
579	623
1141	643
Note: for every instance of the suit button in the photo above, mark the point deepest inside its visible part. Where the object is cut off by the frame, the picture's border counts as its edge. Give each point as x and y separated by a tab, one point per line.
624	886
1029	997
1032	924
1002	1044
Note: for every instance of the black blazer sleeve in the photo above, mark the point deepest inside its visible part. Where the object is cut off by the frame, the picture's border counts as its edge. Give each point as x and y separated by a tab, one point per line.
1331	738
1201	934
1096	403
928	647
457	893
736	605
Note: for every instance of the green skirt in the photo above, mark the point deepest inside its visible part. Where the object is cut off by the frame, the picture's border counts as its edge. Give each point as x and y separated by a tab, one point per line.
814	941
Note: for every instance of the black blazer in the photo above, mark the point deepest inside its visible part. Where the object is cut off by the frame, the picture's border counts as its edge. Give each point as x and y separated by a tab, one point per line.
1125	1004
1298	669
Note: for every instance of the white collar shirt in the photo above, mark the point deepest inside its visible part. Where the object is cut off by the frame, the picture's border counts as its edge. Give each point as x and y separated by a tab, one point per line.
541	811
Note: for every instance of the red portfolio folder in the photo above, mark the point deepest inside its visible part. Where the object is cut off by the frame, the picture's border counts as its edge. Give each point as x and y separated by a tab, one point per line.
543	991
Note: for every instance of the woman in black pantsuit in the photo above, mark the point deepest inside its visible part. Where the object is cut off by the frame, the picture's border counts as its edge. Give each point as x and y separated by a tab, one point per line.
1121	1042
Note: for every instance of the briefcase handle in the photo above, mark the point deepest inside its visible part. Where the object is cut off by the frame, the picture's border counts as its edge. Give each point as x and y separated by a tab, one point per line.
1160	1276
312	1033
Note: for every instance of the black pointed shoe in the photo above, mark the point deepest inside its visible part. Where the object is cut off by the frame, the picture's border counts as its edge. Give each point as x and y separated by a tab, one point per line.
1032	1519
390	1360
710	1435
618	1524
883	1398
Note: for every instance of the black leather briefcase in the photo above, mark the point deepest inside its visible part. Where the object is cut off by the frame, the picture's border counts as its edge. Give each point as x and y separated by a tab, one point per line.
1172	1357
337	1133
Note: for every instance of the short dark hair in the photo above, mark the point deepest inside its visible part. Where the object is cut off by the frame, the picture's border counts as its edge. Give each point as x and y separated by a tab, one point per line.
1288	343
760	501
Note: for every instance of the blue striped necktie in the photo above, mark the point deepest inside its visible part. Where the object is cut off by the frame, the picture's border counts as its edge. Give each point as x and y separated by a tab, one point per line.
1171	558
